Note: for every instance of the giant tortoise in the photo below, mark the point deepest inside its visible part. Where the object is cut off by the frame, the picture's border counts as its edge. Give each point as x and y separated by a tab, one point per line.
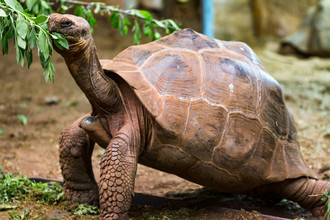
203	109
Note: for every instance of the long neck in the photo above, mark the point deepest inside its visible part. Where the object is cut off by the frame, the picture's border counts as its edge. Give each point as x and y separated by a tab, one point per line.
84	66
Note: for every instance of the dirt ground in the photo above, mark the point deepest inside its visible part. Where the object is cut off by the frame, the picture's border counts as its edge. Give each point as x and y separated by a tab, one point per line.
33	149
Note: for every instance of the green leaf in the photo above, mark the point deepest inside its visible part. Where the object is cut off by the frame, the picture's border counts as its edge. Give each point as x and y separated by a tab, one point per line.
59	41
4	46
80	11
156	35
147	29
43	61
325	196
45	4
159	23
35	9
97	7
29	57
21	26
173	24
83	209
21	42
23	119
32	38
42	44
46	74
137	33
145	14
91	20
40	19
9	34
14	4
2	13
114	19
48	67
2	131
123	30
126	21
20	56
30	4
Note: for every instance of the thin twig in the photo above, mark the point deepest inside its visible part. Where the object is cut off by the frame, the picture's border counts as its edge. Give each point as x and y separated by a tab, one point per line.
113	9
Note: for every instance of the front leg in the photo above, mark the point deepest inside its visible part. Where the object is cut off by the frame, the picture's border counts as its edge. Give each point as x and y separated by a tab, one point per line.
75	161
118	169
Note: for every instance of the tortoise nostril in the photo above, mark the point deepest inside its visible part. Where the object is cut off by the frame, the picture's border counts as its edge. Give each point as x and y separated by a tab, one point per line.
51	28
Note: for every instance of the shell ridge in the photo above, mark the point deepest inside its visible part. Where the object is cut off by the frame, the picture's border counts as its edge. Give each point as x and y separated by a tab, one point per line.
151	56
268	126
246	115
199	98
186	123
272	172
287	124
220	44
257	82
203	74
257	141
284	157
215	166
222	137
259	89
269	168
223	169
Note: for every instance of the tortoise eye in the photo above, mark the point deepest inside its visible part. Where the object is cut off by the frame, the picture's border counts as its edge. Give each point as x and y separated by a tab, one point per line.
67	24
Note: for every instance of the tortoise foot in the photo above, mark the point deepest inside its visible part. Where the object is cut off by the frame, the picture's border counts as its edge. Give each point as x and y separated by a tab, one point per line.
318	212
113	216
89	197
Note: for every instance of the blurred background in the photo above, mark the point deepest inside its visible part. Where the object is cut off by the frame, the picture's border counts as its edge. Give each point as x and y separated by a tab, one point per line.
232	19
291	38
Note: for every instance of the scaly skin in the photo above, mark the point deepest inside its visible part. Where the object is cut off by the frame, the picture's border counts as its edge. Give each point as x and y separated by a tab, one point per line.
118	169
306	192
75	148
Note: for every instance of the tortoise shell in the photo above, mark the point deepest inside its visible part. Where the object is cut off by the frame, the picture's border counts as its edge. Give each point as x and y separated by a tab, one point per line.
213	102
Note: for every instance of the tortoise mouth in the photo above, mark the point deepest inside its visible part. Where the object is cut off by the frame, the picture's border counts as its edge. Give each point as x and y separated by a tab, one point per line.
71	38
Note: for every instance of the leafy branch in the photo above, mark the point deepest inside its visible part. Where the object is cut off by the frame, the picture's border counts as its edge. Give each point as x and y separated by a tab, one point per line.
119	19
28	31
28	27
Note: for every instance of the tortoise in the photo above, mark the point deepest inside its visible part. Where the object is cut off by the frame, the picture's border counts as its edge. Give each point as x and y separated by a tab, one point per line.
312	38
203	109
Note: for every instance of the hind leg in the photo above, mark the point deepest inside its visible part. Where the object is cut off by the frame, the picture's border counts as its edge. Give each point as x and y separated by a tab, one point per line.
75	161
306	192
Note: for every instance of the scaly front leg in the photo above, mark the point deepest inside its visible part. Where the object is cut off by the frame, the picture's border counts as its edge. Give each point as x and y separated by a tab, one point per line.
118	169
75	161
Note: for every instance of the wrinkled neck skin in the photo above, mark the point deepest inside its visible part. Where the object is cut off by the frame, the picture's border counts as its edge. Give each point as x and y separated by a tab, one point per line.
84	66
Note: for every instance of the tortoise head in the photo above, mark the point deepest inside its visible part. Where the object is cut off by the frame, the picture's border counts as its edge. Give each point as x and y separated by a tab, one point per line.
74	29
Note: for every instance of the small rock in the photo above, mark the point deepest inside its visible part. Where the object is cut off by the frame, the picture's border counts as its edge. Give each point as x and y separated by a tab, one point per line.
51	100
326	134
